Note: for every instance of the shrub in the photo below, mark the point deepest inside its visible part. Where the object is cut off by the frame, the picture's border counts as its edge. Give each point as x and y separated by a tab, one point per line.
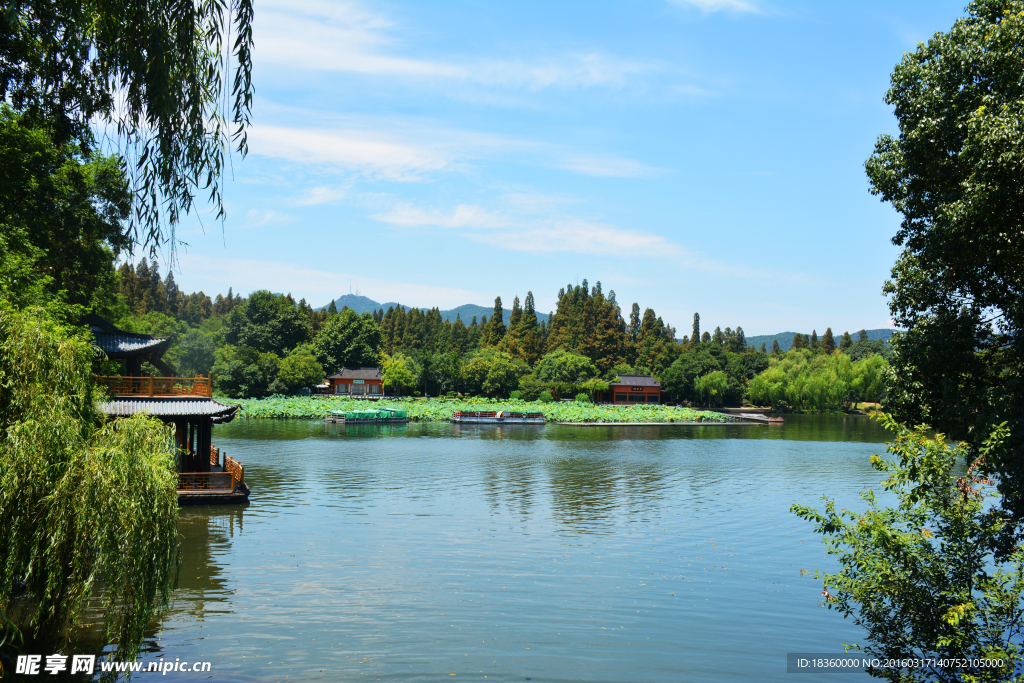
546	397
582	398
515	395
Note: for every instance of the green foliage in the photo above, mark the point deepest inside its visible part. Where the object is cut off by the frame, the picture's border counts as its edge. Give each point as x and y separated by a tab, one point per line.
582	398
196	354
244	372
268	323
398	372
153	76
515	395
819	382
954	173
61	215
587	323
298	370
546	397
348	340
865	349
710	388
78	502
564	367
921	577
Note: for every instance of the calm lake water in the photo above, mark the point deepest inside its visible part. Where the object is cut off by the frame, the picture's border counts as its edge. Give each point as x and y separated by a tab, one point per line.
428	551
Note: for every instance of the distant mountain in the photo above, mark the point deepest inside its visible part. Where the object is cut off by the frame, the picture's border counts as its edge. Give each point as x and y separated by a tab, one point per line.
786	338
362	304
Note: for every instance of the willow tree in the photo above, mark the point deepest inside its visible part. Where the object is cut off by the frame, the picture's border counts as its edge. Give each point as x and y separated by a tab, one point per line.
152	75
83	503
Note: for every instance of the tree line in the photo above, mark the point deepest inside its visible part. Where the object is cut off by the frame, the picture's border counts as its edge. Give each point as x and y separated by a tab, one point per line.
269	343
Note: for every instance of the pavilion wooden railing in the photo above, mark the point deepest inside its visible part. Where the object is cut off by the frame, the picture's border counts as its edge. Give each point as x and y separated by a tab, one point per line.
157	386
234	467
206	481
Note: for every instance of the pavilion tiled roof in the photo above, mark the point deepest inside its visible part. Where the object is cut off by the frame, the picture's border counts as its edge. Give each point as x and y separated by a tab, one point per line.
118	343
357	373
636	381
170	407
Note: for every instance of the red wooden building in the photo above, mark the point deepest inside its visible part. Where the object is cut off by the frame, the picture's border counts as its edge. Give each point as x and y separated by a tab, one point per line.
360	382
634	389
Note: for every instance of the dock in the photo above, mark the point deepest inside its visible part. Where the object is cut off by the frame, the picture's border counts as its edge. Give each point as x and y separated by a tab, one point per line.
663	424
499	417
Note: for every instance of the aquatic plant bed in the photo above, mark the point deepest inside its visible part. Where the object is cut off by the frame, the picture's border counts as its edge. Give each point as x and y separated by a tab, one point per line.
318	407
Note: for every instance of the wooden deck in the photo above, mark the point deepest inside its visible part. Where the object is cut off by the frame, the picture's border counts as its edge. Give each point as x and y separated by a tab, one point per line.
157	386
224	483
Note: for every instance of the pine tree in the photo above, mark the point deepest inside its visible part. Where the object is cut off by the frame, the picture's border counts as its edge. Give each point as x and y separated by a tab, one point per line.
718	337
705	338
846	341
695	337
862	336
814	339
332	308
799	342
741	340
763	349
494	331
828	342
776	350
634	324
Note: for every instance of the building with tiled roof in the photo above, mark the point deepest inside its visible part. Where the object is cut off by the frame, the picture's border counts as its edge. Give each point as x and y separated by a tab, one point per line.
359	382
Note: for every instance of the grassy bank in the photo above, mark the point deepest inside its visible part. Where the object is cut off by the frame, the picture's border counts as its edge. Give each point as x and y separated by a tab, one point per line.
315	408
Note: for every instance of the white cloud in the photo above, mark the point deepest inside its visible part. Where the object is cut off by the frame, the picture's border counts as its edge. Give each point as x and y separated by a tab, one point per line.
351	38
254	218
719	5
608	167
537	231
318	287
464	216
518	233
408	150
366	152
321	195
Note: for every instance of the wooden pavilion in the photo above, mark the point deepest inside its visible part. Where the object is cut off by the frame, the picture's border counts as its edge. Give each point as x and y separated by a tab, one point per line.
204	476
357	383
632	389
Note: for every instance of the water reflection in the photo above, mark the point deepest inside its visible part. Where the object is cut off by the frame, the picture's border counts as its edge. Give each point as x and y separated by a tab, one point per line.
412	552
203	587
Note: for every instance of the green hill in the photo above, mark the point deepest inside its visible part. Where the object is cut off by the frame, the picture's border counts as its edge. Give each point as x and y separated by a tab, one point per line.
363	304
786	338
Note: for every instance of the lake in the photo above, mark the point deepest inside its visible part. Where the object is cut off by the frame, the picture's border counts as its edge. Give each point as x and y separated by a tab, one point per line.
430	551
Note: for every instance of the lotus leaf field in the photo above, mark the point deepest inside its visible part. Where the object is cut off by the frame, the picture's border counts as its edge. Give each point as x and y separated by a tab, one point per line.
317	407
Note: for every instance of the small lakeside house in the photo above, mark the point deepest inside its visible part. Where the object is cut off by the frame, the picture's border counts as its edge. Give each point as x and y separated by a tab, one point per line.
357	382
630	389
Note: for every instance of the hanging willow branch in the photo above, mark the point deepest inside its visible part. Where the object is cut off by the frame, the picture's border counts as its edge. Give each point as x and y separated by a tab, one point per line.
79	502
153	74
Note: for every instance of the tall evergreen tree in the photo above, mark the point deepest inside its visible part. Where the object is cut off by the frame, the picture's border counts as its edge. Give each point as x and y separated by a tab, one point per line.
332	308
634	324
828	342
776	350
862	336
495	330
814	339
845	342
695	336
799	342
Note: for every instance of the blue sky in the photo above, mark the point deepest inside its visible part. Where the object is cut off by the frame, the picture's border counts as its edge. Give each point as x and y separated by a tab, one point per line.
700	155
